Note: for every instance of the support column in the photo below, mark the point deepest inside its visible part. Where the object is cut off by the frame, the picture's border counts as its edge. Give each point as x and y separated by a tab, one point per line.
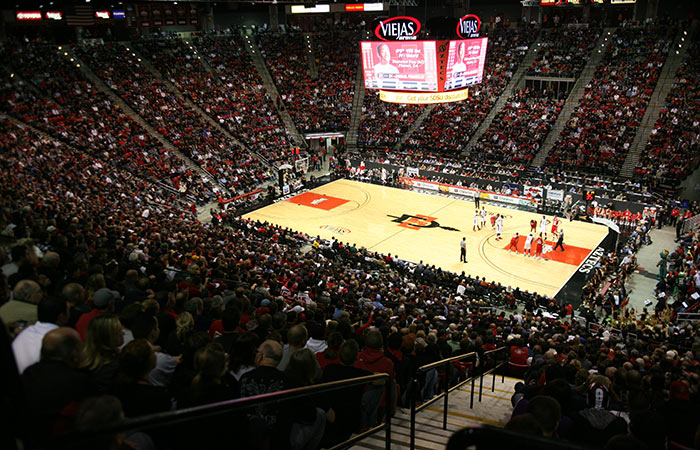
273	14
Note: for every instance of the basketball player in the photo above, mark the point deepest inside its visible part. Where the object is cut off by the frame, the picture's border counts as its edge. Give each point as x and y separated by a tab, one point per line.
555	226
493	222
533	226
463	250
528	245
543	226
538	247
513	243
476	221
499	227
483	217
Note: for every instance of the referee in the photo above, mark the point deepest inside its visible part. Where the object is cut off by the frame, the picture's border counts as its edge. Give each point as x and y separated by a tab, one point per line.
463	250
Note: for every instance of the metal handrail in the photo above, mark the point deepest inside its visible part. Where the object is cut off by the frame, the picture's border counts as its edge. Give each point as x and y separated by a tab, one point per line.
228	406
446	392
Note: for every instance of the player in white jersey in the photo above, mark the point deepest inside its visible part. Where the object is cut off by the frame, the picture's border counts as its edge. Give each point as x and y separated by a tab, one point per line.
483	217
476	221
528	245
499	227
543	226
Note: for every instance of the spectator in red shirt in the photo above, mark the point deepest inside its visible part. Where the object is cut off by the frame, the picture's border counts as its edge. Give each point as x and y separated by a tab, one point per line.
372	358
519	353
103	301
331	355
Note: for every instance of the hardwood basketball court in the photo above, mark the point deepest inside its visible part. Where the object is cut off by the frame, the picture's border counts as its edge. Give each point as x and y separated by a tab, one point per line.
425	227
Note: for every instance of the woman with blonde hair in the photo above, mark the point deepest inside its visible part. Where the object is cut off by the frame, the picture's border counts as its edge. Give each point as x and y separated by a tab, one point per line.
184	327
101	353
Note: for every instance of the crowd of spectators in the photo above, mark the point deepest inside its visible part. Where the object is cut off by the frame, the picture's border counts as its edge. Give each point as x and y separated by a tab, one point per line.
232	93
519	128
563	52
497	174
449	126
170	115
48	91
632	385
384	124
143	308
601	129
316	103
672	151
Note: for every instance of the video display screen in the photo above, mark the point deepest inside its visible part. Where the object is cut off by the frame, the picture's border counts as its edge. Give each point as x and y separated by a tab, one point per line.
401	65
465	63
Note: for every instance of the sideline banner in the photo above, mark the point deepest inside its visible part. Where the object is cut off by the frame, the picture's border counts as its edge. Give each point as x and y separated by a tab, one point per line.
467	192
555	194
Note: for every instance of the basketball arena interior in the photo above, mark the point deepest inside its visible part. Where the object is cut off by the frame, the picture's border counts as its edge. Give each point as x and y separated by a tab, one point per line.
409	224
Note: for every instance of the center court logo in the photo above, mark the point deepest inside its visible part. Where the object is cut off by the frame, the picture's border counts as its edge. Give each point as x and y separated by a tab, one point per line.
334	229
418	221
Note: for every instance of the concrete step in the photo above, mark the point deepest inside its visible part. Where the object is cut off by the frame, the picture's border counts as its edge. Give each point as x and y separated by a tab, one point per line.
494	409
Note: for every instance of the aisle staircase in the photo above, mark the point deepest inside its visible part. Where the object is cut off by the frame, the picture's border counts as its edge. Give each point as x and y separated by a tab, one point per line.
356	114
674	59
574	97
102	86
310	55
493	409
254	52
505	95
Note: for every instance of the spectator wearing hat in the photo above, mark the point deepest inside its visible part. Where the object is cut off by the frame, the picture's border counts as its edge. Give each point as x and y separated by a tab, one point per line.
102	301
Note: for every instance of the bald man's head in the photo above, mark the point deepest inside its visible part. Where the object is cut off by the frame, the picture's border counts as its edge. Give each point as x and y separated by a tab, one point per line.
62	344
269	353
28	291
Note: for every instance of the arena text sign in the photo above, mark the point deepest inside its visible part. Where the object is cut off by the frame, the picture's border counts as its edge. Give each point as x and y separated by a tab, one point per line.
423	98
400	28
468	26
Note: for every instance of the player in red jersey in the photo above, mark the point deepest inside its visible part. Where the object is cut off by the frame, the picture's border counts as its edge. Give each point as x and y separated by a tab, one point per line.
533	226
555	226
514	243
538	246
493	222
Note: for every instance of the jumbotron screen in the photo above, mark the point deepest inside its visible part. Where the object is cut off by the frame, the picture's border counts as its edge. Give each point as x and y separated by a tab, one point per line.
465	63
401	65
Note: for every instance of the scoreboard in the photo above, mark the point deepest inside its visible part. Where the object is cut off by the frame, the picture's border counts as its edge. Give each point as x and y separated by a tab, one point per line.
399	64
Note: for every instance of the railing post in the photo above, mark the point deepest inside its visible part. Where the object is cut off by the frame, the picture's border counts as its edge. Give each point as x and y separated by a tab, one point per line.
412	393
471	402
389	402
493	382
481	385
447	393
505	364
